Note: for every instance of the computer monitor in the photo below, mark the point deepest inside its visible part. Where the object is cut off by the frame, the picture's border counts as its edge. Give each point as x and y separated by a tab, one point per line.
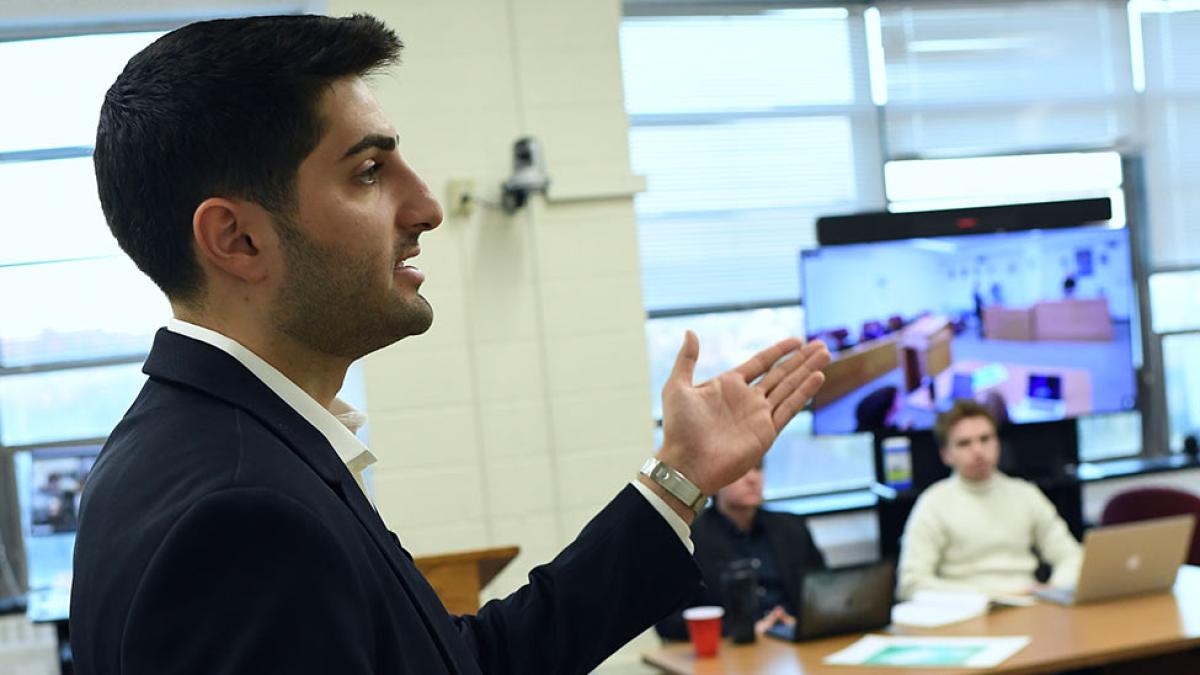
50	482
1036	324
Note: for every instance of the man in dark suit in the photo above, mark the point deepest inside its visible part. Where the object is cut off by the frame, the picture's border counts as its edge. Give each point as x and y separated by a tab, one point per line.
246	168
736	530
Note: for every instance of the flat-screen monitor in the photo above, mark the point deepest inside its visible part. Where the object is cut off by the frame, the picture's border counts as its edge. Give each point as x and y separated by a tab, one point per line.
50	481
1036	324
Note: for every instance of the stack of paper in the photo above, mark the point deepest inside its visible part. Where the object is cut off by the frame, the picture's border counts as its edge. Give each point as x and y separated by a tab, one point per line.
938	608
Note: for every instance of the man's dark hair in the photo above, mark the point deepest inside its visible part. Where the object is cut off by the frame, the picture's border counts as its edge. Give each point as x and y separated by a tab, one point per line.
962	409
219	108
871	412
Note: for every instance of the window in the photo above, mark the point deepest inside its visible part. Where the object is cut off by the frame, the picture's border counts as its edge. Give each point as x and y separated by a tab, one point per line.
1003	77
1181	363
1175	301
1175	315
914	105
78	317
921	184
743	148
727	339
1169	73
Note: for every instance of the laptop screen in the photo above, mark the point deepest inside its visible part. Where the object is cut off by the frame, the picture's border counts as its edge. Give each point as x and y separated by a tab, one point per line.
845	600
1045	387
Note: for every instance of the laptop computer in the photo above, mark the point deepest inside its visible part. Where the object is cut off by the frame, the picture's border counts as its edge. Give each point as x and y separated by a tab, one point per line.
843	600
1119	560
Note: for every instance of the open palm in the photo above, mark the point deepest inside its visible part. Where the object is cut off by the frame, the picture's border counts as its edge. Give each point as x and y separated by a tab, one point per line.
715	431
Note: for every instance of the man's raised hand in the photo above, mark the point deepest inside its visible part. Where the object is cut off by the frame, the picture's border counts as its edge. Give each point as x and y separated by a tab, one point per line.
715	431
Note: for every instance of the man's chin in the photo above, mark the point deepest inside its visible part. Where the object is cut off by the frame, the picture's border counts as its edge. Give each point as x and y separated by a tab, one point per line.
421	329
422	316
978	475
415	319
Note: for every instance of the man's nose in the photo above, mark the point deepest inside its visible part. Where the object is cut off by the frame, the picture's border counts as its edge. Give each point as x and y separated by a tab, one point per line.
418	207
428	214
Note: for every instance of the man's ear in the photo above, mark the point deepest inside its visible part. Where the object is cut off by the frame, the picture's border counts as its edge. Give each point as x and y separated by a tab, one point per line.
944	453
235	237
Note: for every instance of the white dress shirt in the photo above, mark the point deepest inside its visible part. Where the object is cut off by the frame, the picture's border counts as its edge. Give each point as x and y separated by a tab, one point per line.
339	422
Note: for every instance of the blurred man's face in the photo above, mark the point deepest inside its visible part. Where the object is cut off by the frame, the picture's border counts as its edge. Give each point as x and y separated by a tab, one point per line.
349	287
745	492
972	448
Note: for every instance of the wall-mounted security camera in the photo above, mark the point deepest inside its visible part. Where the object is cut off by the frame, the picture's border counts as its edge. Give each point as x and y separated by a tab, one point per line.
529	175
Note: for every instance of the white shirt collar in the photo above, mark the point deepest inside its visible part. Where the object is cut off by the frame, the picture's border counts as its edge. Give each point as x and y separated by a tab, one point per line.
337	423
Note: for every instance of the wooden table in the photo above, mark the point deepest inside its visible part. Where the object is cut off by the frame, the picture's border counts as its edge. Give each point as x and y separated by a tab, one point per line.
1062	638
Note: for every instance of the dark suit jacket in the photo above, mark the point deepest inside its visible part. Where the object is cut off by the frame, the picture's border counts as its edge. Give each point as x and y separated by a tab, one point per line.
220	534
789	540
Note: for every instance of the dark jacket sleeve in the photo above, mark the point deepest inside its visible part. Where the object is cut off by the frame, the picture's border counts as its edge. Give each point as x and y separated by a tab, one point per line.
673	627
713	551
626	570
267	583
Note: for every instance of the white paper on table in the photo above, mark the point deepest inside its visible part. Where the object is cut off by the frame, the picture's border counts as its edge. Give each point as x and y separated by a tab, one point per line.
914	651
938	608
1013	601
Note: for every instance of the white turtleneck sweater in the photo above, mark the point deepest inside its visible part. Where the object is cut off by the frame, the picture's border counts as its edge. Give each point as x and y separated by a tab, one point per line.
980	536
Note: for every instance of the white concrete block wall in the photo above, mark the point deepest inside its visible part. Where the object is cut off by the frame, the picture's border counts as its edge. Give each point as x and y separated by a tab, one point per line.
537	358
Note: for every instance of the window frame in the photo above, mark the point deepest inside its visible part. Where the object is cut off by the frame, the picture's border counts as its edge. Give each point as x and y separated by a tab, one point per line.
51	32
1151	405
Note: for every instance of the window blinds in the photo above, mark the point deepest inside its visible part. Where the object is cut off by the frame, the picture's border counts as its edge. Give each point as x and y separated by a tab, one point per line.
1172	139
1005	77
747	127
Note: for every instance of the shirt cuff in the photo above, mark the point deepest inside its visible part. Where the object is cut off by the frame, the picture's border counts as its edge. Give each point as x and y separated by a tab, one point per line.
672	518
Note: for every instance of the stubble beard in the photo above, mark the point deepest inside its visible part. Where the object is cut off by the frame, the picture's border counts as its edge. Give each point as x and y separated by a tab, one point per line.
330	303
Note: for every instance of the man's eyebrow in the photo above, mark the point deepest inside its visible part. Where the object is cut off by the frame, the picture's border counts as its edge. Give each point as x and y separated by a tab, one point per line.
385	143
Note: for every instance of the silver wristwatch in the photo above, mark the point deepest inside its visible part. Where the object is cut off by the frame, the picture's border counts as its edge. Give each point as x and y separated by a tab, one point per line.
675	483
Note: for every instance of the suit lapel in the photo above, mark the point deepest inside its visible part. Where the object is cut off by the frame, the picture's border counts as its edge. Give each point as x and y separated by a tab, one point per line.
203	367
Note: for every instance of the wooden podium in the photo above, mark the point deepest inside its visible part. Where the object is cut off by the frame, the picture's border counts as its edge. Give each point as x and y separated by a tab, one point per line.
458	577
926	346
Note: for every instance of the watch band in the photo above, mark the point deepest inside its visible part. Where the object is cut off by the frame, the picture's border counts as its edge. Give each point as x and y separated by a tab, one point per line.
675	483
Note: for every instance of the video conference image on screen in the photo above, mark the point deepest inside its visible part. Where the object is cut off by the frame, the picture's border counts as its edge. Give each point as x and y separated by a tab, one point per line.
1034	324
51	482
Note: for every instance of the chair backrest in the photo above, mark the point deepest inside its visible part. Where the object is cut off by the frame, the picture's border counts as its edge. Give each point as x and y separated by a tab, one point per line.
1154	502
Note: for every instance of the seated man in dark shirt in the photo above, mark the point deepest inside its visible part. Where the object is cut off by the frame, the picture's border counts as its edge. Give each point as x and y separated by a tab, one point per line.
737	529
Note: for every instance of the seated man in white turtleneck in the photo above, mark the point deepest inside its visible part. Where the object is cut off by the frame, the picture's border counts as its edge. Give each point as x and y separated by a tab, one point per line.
978	529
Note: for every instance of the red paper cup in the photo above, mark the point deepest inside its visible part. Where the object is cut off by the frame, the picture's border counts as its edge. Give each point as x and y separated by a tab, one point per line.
704	629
